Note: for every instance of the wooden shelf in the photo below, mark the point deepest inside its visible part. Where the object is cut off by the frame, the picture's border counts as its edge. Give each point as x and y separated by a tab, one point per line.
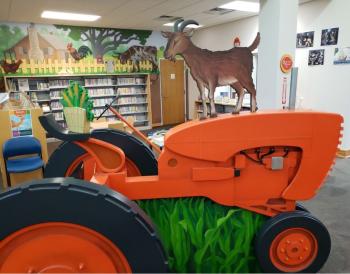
101	96
59	82
100	86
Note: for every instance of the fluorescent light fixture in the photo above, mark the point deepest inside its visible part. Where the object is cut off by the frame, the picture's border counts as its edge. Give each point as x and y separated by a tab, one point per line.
170	24
69	16
242	6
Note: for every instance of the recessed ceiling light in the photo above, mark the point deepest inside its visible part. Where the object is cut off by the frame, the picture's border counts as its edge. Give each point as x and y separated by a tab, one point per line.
170	24
69	16
242	6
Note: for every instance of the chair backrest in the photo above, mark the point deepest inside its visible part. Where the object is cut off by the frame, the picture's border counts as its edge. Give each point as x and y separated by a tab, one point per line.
21	146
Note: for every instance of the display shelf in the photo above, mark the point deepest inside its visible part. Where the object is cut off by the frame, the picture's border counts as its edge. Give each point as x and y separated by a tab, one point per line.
129	95
59	87
133	113
101	96
38	90
102	88
128	85
99	86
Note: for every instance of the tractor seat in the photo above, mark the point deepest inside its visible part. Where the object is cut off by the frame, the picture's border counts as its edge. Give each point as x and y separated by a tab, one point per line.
49	123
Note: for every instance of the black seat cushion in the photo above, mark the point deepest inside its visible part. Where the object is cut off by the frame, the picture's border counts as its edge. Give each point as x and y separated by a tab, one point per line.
49	123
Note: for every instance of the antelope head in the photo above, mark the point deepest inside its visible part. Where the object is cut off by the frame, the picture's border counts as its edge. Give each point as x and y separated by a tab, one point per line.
178	41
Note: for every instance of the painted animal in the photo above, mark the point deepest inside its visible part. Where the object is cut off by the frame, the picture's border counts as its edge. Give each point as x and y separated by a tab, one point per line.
10	67
211	69
140	53
79	54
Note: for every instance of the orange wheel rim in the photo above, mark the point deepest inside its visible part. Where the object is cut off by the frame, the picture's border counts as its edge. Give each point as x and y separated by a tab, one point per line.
293	250
60	248
88	164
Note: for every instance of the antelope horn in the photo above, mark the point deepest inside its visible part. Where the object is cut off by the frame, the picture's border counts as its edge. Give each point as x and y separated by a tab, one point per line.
185	23
176	24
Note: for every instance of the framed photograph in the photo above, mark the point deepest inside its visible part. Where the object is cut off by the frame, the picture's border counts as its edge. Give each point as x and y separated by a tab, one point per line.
329	37
305	39
316	57
341	56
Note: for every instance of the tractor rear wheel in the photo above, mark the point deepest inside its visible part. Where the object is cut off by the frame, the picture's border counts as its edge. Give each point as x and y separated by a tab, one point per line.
70	160
292	242
68	225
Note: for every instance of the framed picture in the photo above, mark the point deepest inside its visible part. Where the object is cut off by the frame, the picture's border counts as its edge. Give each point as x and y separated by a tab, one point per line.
329	37
316	57
341	56
305	39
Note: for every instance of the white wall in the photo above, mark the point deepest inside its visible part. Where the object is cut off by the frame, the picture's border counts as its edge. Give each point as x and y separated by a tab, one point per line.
221	38
326	87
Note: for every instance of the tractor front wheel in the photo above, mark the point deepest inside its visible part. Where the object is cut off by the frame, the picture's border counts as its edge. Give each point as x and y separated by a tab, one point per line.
292	242
71	226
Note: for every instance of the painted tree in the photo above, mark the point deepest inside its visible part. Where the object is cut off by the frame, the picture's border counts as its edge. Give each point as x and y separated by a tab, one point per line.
104	40
8	37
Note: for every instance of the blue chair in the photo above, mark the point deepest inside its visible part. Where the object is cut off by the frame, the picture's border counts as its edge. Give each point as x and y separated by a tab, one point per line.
22	146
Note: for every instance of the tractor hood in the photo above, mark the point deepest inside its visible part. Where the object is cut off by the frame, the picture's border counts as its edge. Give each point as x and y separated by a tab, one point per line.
218	139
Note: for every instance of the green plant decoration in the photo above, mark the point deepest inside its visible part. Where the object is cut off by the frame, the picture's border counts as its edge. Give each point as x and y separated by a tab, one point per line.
202	236
77	96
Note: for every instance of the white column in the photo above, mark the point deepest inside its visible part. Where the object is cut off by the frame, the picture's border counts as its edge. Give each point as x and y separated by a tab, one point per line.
277	26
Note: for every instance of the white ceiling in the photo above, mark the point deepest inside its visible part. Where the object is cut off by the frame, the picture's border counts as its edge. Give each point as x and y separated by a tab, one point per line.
133	14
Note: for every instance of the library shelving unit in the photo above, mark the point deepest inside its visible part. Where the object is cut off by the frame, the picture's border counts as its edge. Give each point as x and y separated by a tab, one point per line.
132	92
222	105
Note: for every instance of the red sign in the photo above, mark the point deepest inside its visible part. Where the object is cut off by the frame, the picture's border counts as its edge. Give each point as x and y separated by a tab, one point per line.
286	63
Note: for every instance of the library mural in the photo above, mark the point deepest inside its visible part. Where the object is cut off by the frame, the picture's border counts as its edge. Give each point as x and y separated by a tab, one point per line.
33	49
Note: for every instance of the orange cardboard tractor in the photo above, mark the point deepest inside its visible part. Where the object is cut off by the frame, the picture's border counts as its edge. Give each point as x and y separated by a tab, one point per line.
263	162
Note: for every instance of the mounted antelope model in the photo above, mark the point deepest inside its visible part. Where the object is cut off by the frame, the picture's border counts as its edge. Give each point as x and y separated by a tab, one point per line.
211	69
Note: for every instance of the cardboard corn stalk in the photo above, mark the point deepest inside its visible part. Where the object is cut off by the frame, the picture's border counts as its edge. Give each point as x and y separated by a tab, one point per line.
77	108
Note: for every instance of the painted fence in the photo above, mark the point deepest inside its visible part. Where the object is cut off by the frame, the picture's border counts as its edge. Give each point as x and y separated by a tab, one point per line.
56	67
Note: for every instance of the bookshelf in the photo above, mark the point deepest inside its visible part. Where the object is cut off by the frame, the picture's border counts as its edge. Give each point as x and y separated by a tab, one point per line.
222	105
132	92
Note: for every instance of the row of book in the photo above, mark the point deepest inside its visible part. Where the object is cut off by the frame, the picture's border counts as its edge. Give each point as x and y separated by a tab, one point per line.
98	81
58	115
56	93
101	92
130	109
42	85
98	111
58	83
101	102
130	90
131	100
130	80
56	105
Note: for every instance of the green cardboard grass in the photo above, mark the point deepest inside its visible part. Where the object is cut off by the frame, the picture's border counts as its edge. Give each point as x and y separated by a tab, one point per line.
202	236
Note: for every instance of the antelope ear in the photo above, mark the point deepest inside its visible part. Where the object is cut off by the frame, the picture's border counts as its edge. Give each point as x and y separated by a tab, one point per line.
166	34
189	33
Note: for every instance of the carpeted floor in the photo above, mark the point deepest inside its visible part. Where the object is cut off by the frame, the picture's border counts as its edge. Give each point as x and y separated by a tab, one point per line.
332	207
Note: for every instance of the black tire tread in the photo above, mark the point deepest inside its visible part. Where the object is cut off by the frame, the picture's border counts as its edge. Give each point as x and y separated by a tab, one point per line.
16	215
134	149
284	219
